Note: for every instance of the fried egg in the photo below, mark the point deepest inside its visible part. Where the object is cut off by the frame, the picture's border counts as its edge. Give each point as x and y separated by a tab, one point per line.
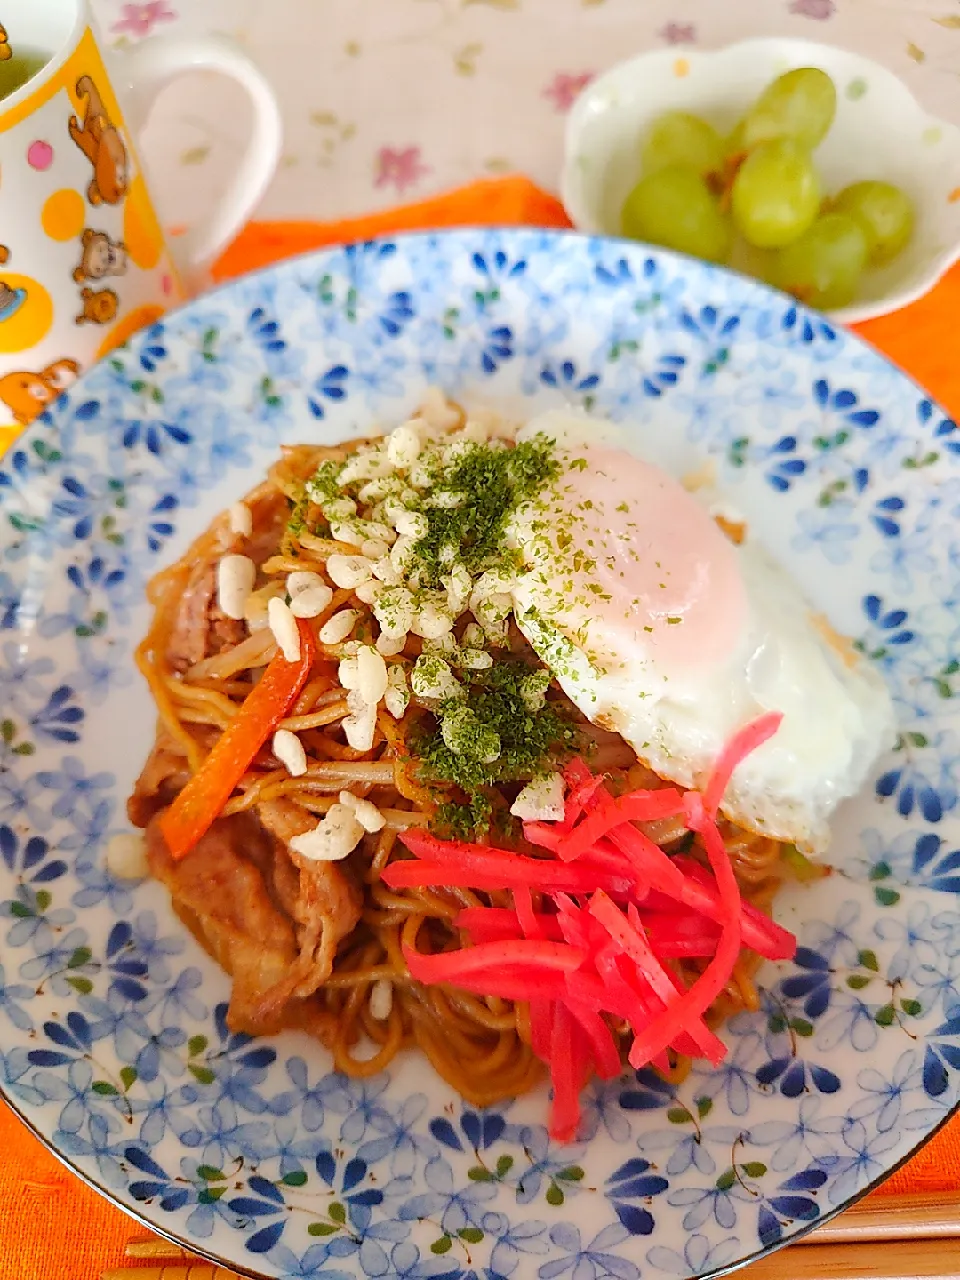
658	625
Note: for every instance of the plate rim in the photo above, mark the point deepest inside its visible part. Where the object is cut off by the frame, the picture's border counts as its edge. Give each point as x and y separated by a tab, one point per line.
252	1274
464	233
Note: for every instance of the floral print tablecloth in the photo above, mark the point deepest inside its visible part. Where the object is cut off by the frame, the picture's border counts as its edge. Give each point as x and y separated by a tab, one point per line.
394	99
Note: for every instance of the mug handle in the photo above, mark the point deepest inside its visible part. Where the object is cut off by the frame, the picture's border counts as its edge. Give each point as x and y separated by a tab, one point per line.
146	68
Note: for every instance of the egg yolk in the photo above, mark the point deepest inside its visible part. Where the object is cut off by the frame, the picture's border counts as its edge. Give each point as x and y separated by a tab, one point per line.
624	559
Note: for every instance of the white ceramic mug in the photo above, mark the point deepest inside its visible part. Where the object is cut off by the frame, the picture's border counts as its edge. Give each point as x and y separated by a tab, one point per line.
83	260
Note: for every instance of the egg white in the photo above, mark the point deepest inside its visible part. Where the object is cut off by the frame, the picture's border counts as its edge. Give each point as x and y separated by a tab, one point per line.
837	713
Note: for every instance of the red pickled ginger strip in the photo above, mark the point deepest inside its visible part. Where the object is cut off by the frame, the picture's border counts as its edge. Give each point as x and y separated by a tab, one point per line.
542	1002
511	983
636	806
628	934
541	1026
695	1002
569	1062
509	872
760	932
736	750
603	1047
535	957
583	787
530	924
615	909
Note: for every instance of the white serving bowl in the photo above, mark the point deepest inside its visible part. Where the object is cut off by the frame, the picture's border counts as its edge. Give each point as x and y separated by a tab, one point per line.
880	131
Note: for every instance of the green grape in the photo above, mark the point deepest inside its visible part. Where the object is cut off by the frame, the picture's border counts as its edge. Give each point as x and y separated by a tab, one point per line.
776	194
800	104
674	207
734	147
824	266
751	261
884	212
677	137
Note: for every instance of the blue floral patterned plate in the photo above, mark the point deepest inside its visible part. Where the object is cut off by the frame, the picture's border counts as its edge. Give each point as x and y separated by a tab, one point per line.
112	1029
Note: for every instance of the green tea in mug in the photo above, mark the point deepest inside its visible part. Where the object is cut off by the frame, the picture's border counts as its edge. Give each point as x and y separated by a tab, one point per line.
22	66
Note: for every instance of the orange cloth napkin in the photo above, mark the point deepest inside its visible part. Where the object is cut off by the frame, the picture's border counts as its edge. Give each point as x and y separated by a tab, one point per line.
53	1227
491	202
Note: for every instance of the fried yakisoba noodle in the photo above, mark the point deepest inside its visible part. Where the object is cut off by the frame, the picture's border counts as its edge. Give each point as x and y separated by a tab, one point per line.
318	946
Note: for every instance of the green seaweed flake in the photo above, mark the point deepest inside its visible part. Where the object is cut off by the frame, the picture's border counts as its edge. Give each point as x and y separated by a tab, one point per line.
494	482
530	742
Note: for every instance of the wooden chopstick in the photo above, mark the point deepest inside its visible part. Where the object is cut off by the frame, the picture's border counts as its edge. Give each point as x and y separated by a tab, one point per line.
898	1260
916	1259
172	1271
915	1217
176	1264
843	1249
155	1248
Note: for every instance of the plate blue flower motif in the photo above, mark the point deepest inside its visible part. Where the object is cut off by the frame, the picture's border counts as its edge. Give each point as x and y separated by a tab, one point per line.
114	1042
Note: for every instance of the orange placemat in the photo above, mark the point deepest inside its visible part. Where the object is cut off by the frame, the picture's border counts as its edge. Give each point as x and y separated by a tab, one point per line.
52	1227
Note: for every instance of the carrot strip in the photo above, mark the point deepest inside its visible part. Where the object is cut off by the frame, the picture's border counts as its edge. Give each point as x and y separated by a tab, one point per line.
201	801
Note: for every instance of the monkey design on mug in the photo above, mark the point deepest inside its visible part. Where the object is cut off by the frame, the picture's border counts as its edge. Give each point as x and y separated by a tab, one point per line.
26	395
100	141
11	300
100	257
100	306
